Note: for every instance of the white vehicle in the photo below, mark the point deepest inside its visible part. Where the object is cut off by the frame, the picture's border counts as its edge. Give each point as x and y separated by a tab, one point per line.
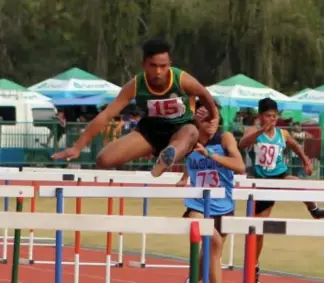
23	123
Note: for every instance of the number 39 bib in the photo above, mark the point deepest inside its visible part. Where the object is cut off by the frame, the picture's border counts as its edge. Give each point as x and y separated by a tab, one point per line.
266	155
166	108
207	178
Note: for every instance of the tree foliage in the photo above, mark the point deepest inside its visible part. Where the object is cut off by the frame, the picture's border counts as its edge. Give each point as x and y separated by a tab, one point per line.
278	42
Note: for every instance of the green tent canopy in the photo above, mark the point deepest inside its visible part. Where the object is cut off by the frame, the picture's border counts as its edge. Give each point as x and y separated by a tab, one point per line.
76	73
9	85
242	80
320	88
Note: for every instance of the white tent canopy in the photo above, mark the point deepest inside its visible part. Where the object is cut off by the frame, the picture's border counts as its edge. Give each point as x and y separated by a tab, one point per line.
244	96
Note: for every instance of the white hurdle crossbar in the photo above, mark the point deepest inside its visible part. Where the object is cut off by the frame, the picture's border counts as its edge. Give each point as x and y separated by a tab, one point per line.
13	192
103	223
132	192
278	195
281	184
289	227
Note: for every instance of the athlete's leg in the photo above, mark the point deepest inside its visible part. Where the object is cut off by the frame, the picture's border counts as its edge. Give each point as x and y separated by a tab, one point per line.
181	143
129	147
215	253
262	209
312	207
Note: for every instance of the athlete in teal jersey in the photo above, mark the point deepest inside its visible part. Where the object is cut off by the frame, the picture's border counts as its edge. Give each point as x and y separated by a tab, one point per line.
167	130
267	155
212	164
266	145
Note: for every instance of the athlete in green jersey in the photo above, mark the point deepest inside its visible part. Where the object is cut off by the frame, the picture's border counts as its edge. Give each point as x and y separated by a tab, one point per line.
165	95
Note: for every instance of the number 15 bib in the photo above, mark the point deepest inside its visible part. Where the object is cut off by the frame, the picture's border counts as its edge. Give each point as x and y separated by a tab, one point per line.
166	108
266	155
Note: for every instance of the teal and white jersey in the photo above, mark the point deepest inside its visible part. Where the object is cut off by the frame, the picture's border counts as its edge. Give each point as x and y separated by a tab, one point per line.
267	155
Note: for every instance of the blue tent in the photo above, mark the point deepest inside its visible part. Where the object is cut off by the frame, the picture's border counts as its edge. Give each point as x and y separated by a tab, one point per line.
85	101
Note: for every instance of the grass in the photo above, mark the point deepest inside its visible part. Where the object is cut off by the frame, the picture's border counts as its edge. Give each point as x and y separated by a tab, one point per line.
300	255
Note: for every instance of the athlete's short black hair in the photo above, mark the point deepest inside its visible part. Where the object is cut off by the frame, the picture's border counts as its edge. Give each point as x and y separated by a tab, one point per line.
155	46
267	104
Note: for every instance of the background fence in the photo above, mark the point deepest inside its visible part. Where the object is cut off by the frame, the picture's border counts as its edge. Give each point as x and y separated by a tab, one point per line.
32	144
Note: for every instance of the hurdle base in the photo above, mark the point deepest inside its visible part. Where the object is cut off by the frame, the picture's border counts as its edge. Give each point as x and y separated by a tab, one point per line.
138	264
3	261
146	265
26	261
119	264
45	262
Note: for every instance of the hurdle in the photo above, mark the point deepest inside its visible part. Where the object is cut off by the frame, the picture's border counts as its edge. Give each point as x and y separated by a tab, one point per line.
116	176
103	223
259	226
128	192
281	184
14	192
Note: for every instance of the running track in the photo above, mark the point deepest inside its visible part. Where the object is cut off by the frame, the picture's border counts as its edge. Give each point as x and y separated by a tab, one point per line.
45	273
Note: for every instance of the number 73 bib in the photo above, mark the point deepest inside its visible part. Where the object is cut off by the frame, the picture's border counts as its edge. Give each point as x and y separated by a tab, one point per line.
166	108
207	178
266	155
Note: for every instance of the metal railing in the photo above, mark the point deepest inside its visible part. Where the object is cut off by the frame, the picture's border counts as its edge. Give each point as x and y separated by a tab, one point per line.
32	144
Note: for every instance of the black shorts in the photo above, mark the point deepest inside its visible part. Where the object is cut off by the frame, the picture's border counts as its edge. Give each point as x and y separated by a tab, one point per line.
158	133
216	218
262	205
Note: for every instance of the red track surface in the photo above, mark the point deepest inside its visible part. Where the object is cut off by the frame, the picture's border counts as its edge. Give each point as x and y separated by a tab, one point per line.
45	273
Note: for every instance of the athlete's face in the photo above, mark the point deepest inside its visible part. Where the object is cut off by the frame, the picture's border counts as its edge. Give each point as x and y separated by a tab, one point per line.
205	127
269	117
157	69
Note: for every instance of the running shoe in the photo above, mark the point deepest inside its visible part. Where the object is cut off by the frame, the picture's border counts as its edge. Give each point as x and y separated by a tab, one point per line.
165	160
317	212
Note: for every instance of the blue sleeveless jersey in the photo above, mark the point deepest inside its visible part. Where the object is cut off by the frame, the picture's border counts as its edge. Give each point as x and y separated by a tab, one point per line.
267	155
204	172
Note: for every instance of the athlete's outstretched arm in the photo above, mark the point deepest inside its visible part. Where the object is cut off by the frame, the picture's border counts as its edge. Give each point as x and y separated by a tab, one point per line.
250	136
233	161
98	123
193	88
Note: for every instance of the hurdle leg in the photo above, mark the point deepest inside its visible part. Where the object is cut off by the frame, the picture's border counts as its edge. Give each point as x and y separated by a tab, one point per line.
120	248
77	246
31	231
16	251
108	269
250	209
231	252
250	256
144	236
5	231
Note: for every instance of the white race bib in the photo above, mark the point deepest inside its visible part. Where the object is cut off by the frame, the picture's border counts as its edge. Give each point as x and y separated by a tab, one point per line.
266	155
207	178
166	108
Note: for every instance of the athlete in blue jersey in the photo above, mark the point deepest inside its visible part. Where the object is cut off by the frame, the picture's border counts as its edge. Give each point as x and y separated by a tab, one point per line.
266	145
212	164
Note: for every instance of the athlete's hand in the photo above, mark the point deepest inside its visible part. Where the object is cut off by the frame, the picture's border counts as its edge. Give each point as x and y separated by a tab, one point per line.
201	149
308	166
265	128
201	114
68	154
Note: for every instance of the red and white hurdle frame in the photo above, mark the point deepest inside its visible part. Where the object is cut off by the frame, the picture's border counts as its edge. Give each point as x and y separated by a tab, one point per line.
13	175
169	179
